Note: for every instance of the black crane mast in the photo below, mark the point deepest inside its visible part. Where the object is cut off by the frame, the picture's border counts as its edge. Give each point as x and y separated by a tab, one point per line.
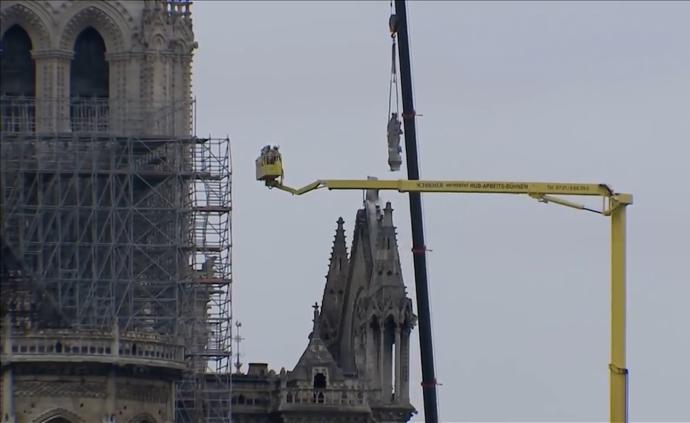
399	22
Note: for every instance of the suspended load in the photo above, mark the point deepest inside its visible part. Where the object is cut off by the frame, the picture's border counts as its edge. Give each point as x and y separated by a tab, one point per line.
394	148
394	128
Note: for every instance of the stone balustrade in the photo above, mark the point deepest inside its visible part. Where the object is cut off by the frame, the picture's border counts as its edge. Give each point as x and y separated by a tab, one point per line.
89	347
123	117
339	397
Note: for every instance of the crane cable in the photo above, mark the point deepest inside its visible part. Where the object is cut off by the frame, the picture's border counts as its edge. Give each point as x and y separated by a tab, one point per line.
394	125
393	86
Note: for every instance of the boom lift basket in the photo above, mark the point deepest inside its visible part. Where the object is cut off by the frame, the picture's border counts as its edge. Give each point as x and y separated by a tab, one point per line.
269	165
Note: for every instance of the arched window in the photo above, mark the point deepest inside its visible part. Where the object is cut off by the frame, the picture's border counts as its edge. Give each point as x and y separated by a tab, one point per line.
58	420
18	71
389	358
143	418
17	81
89	86
319	381
89	73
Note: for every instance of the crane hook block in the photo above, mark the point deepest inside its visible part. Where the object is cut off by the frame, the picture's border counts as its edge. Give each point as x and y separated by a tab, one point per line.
269	165
394	149
393	24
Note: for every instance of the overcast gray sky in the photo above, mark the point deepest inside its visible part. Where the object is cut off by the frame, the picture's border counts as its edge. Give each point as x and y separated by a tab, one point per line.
559	91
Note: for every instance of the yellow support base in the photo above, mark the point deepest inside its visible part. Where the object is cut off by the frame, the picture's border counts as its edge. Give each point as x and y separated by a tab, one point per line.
619	394
619	373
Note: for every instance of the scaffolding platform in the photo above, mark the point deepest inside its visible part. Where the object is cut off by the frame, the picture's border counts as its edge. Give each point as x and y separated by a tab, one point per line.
102	229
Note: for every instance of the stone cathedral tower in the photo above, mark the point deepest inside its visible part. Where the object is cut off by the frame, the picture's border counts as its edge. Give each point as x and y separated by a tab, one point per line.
367	317
115	222
355	367
73	55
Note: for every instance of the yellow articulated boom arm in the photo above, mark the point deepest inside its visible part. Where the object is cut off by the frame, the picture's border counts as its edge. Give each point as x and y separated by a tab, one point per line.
270	171
542	191
477	187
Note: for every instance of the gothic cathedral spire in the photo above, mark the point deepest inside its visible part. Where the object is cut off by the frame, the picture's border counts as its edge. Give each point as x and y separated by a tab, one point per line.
336	279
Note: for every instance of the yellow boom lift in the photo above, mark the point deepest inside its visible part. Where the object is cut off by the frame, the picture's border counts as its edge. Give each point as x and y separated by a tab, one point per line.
269	169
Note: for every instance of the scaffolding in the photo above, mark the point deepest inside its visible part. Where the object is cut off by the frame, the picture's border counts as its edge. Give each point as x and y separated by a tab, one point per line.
102	229
203	395
121	116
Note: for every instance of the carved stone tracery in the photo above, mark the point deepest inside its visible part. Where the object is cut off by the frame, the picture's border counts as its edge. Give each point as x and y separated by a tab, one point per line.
59	389
143	392
58	412
144	417
101	21
30	21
